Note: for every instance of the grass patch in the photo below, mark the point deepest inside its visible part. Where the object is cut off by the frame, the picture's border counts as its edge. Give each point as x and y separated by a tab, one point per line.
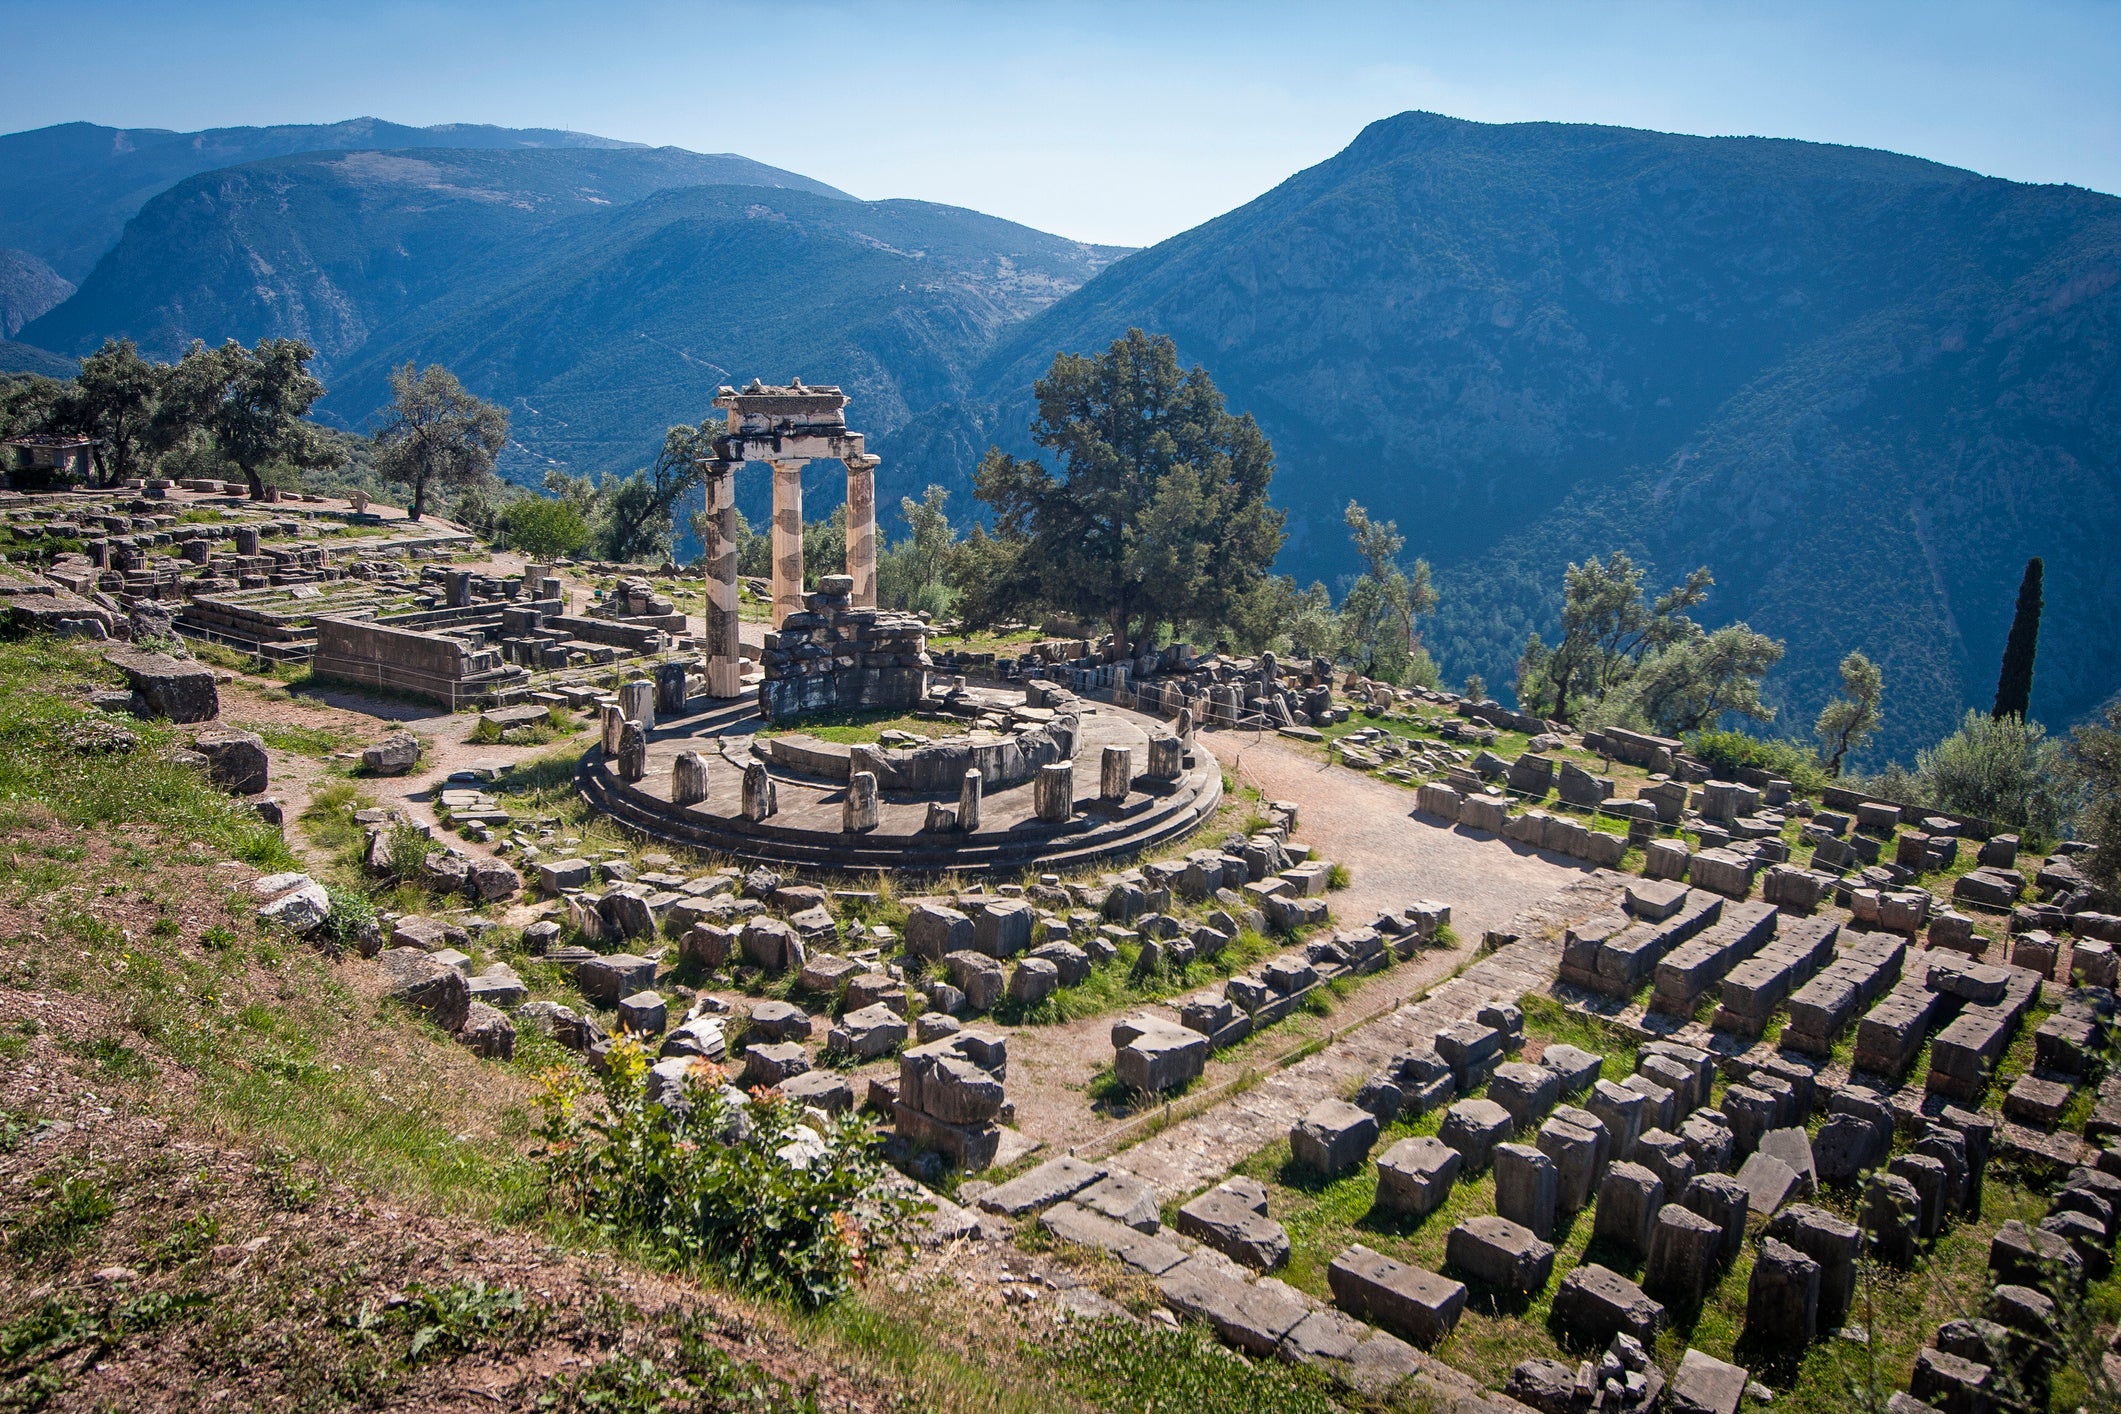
865	728
299	740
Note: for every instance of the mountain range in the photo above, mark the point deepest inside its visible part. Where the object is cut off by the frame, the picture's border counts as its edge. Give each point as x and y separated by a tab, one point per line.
1861	387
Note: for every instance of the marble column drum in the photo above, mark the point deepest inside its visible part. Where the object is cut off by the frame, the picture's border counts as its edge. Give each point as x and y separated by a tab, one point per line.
725	661
787	540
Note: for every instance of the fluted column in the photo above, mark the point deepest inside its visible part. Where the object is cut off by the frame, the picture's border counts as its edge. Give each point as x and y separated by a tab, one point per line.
787	540
861	529
725	665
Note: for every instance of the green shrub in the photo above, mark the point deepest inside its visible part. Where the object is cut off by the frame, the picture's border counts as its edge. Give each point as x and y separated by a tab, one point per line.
2003	769
408	849
706	1182
349	916
1727	752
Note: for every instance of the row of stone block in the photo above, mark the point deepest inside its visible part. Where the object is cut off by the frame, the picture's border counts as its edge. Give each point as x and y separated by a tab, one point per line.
1865	966
1752	991
1698	964
1613	955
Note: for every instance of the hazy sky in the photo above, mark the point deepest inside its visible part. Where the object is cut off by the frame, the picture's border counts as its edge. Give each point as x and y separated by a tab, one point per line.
1123	122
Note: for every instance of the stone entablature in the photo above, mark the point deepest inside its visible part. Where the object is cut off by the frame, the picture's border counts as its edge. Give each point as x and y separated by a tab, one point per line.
784	427
836	656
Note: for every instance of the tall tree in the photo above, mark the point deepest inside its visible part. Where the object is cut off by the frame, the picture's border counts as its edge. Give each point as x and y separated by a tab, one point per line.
113	399
1385	602
637	513
437	434
1158	513
2014	685
1853	718
1606	631
1691	683
254	401
2095	760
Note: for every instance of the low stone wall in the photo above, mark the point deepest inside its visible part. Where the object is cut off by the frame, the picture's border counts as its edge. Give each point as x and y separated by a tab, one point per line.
939	766
408	662
834	657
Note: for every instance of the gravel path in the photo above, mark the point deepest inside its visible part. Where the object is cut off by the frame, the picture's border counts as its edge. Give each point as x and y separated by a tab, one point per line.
1393	859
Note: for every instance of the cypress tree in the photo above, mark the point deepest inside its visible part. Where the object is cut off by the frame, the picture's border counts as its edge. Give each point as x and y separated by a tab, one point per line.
2014	685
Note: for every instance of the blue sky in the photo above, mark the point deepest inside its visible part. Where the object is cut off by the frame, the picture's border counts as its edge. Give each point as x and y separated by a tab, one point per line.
1110	122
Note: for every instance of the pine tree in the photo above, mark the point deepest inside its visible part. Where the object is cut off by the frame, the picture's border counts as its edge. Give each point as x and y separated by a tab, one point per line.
2014	685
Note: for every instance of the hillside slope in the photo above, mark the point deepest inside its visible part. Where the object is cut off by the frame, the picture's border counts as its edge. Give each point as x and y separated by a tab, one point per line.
1862	387
67	191
28	287
614	326
330	246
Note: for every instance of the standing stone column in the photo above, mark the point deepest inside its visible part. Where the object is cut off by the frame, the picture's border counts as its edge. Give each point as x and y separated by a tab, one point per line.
725	658
1053	792
670	689
1167	758
968	796
858	816
637	702
787	540
1116	776
613	722
633	752
688	779
861	529
760	801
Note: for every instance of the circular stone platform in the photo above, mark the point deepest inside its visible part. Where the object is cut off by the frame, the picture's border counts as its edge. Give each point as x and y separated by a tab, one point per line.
806	832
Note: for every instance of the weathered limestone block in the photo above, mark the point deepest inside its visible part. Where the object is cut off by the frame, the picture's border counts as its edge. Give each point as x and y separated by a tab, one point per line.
1595	1303
1500	1253
868	1032
1415	1175
1408	1301
1528	1092
608	977
1623	1112
1164	1056
1574	1153
1333	1137
1782	1298
2027	1256
1232	1219
1167	758
1665	859
1004	929
772	945
1892	1216
394	755
1683	1254
934	931
1724	1201
1474	1128
977	977
969	789
1526	1187
1705	1385
433	988
1831	1241
1115	774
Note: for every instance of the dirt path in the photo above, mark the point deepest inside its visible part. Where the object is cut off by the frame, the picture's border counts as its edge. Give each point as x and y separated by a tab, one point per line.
1392	861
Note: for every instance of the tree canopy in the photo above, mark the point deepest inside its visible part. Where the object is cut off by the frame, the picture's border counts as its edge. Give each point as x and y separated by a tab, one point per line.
1385	604
436	434
1158	510
1607	629
1851	719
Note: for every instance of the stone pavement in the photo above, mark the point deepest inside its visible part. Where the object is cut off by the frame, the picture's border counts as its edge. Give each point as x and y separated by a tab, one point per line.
1198	1151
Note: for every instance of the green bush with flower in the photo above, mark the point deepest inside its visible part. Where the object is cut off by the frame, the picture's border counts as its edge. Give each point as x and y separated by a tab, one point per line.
752	1190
